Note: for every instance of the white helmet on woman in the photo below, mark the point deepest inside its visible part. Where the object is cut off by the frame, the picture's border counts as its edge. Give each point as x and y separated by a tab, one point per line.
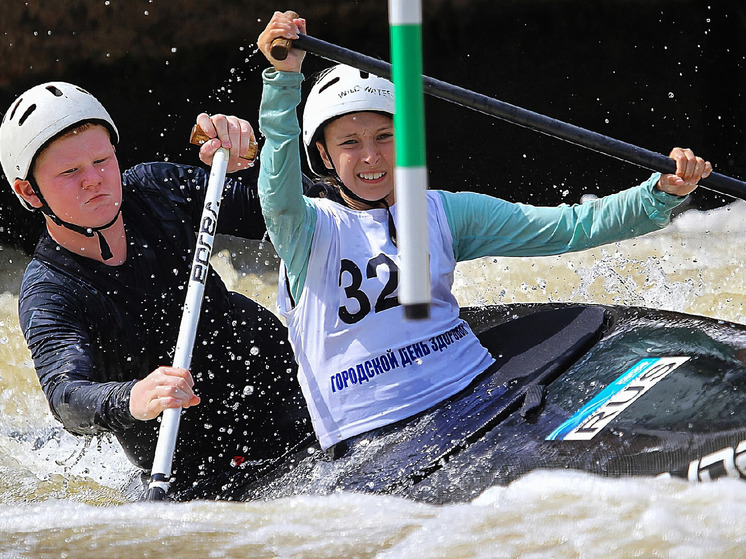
40	114
338	91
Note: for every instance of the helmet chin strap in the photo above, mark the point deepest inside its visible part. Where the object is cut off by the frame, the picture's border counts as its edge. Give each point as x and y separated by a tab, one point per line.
87	231
370	203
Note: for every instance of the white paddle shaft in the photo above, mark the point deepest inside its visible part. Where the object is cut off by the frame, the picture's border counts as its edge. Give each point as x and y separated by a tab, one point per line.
164	450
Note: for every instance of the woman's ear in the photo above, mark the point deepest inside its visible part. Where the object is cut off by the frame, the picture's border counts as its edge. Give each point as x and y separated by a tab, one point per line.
25	191
324	156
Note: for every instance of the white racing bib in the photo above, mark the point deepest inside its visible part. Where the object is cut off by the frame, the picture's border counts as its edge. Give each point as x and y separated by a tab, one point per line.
361	364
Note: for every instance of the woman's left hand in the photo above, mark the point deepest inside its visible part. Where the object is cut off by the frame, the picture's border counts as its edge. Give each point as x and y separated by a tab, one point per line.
689	170
230	132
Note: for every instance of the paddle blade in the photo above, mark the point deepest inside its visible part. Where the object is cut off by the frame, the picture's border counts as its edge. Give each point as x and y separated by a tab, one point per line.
158	488
155	494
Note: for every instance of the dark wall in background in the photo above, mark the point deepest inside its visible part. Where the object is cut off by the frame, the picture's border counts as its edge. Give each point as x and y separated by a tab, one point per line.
656	73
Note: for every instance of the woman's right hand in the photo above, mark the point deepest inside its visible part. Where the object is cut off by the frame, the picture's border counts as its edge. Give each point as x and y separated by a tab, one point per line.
166	387
285	25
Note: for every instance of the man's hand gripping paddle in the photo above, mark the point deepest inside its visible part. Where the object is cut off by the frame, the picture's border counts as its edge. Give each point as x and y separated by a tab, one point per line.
160	474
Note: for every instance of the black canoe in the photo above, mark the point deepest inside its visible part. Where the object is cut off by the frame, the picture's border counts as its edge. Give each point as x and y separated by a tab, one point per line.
615	391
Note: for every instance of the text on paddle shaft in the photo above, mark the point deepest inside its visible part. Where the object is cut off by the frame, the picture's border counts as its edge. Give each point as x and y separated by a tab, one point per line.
351	279
203	250
396	359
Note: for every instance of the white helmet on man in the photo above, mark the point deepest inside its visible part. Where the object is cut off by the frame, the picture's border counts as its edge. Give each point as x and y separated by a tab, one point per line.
338	91
37	116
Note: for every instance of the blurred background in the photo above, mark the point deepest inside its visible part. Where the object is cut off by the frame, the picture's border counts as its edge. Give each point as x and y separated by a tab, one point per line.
655	73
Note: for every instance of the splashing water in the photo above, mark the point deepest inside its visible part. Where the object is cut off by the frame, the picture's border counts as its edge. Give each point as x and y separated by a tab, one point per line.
693	266
61	498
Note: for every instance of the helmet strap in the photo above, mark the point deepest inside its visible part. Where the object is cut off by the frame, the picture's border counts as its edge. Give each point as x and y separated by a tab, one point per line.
106	253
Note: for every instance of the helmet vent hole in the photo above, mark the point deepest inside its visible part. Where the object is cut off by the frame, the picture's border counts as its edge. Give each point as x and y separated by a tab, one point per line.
328	84
54	91
15	107
27	114
364	75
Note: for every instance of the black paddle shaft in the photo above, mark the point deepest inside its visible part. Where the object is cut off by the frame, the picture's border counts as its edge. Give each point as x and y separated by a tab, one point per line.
556	128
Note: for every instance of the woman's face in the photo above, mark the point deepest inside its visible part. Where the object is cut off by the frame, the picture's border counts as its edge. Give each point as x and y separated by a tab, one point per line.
360	146
78	175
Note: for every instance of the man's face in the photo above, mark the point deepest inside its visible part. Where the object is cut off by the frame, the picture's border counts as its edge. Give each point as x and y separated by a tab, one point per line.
79	177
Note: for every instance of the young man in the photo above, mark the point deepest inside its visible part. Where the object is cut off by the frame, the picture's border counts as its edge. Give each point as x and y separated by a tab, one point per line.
101	301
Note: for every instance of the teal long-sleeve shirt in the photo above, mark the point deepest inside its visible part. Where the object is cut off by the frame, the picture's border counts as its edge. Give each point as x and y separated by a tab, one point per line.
480	225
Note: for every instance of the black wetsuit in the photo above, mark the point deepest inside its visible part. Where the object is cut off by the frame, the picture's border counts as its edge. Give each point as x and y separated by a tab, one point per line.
94	330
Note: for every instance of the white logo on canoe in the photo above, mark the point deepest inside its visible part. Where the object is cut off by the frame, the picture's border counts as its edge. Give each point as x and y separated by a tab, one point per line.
615	398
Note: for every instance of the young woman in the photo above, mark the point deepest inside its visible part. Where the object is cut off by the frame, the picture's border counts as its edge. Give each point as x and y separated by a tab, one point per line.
101	300
361	365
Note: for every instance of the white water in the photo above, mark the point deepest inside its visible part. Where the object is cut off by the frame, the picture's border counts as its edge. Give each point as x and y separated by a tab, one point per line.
55	502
